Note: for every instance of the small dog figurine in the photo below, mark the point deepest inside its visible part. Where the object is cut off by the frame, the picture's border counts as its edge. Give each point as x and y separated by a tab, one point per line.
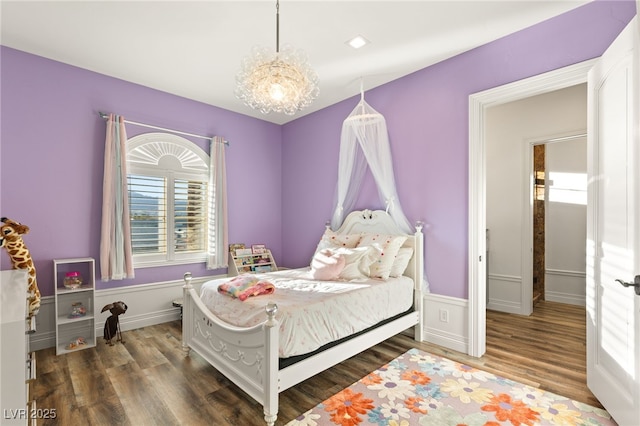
112	324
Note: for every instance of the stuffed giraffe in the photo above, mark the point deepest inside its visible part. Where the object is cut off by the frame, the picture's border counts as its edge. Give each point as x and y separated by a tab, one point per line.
11	239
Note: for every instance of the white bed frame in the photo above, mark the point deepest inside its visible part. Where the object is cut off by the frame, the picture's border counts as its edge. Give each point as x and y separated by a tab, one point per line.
249	356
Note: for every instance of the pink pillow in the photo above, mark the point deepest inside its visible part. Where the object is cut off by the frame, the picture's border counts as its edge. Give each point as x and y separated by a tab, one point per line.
327	265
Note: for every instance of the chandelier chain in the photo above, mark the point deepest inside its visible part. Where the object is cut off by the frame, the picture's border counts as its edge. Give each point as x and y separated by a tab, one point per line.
277	26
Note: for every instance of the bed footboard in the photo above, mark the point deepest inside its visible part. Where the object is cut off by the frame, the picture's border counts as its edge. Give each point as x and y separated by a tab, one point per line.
246	356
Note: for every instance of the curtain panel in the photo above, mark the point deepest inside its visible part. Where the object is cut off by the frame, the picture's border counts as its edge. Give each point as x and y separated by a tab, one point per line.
116	258
217	256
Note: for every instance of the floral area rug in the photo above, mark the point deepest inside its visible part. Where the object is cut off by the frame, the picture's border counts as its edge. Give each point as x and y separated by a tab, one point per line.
418	388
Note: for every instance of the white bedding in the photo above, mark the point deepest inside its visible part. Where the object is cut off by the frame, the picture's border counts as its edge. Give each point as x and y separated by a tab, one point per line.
313	313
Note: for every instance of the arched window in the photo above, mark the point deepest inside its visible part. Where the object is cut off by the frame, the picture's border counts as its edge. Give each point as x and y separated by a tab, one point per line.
168	197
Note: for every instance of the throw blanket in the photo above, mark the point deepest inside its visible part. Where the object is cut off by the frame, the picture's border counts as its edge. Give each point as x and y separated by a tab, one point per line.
244	286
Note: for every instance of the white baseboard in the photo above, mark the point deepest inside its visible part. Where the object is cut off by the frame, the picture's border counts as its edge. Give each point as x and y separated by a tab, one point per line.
508	306
571	299
565	286
504	293
148	304
445	322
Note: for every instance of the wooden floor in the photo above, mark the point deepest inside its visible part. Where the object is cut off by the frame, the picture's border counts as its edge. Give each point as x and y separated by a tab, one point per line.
149	381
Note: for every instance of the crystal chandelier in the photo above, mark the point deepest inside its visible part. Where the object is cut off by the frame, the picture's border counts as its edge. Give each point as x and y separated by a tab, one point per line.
280	81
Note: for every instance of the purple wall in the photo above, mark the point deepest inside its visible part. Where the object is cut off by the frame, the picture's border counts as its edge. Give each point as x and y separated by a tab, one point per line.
427	119
51	160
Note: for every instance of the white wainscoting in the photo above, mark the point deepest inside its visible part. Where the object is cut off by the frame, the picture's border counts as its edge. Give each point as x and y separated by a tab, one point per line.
565	286
505	293
446	321
148	304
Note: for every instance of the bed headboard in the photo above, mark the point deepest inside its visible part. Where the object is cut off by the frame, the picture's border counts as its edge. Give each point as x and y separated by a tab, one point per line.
369	221
380	222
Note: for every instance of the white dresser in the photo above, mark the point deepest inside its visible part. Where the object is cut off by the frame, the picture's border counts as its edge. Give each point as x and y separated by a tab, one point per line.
16	361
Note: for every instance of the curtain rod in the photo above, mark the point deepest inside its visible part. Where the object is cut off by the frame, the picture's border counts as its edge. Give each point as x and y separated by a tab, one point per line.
105	116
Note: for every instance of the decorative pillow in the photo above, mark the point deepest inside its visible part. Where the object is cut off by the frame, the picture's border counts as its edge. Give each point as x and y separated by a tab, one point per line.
357	262
331	239
341	240
401	262
327	265
387	247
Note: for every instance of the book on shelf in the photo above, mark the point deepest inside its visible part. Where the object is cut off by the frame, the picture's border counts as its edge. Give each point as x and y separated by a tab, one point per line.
234	247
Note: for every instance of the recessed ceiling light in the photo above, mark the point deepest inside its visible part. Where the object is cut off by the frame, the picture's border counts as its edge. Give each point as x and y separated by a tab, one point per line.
358	41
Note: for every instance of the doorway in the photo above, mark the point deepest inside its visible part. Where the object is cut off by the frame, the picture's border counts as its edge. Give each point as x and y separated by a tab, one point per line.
479	105
519	210
540	196
562	198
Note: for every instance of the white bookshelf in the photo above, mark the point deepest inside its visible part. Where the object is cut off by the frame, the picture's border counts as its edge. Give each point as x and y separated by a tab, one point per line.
251	263
70	327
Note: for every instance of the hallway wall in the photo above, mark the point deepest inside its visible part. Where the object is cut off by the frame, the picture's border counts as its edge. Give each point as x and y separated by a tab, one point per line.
566	224
511	128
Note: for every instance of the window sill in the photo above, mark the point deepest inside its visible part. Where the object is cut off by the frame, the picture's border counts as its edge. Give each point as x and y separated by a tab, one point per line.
158	263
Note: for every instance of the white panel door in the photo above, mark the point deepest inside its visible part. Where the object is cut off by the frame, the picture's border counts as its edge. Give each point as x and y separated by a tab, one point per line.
613	230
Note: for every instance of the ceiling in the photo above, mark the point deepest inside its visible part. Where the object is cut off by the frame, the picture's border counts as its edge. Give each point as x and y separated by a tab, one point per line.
194	48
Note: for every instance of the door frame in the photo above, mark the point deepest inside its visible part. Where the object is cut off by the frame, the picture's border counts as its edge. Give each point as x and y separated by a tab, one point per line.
478	104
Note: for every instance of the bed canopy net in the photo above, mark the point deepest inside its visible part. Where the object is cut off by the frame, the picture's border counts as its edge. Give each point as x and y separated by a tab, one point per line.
364	142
